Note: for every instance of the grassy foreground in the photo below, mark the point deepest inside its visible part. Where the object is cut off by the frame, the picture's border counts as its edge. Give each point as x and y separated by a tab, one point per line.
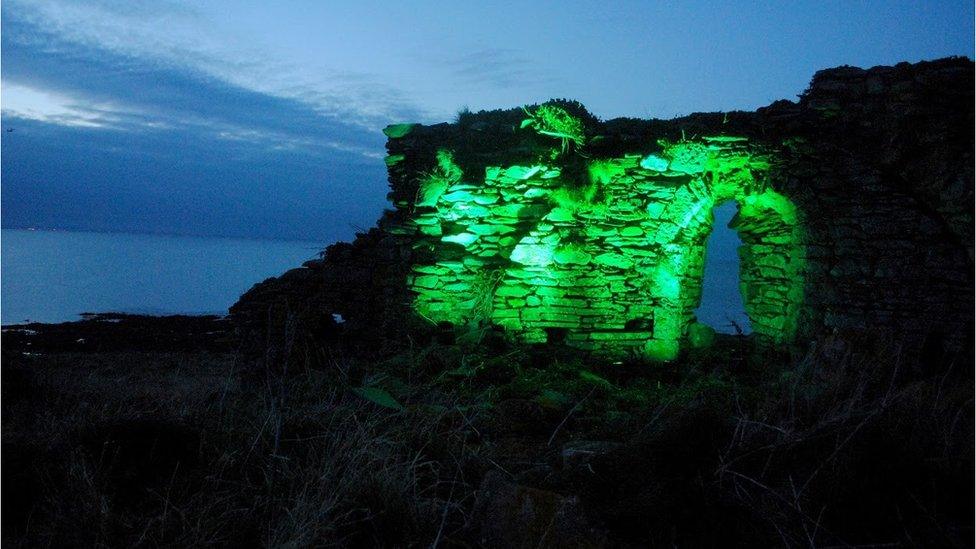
852	443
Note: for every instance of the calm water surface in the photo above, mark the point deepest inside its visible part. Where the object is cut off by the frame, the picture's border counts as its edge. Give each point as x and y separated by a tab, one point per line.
55	276
52	276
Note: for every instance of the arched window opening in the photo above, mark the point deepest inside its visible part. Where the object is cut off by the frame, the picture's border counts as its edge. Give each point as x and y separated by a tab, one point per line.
722	307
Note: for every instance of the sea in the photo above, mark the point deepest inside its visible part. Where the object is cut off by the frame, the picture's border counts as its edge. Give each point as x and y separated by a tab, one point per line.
54	276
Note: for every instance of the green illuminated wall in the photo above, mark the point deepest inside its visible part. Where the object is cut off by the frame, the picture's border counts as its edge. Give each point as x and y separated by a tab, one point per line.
608	258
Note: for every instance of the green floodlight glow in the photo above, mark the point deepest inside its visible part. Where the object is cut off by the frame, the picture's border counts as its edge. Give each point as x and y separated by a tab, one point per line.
613	264
554	121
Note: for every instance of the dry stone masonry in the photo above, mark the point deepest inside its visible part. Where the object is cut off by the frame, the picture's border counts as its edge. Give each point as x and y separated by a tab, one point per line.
855	205
612	263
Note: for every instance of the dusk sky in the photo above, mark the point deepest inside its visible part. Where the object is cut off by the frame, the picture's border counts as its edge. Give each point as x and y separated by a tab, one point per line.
263	119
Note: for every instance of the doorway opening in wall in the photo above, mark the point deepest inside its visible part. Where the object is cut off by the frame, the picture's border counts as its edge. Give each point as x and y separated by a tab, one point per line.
722	306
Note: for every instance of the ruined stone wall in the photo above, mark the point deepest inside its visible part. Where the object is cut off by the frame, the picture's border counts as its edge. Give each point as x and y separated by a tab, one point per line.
612	263
860	235
875	171
881	166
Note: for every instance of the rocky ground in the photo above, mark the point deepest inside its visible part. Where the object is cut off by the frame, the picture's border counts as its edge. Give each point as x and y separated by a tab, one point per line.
144	432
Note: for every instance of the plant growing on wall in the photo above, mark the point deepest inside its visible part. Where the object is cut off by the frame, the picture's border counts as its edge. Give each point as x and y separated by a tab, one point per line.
603	253
434	183
555	121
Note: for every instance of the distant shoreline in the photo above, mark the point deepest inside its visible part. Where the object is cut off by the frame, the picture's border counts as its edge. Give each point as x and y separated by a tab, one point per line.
106	332
112	316
323	243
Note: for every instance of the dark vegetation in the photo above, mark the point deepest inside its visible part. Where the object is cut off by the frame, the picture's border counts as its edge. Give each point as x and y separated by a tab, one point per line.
475	443
284	427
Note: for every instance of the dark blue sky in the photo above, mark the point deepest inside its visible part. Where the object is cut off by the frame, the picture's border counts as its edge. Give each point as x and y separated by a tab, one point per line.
262	119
